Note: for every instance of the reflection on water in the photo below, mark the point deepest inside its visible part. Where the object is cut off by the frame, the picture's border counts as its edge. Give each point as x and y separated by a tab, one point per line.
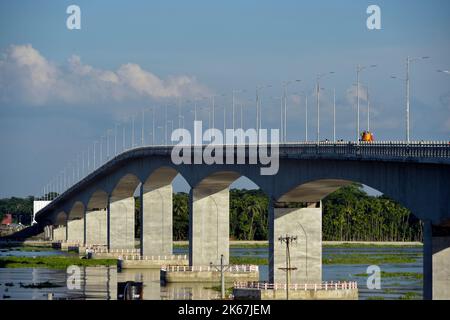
101	282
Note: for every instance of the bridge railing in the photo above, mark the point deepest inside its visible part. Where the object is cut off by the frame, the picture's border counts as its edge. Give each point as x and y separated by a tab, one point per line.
376	149
176	257
422	149
296	286
231	268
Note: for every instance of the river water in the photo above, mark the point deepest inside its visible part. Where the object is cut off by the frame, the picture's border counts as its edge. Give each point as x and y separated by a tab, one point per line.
101	282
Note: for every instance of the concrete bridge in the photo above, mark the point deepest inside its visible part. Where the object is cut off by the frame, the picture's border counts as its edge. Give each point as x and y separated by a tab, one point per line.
100	209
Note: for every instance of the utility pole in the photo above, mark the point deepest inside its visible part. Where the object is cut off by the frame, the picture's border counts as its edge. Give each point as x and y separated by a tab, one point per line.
288	240
221	268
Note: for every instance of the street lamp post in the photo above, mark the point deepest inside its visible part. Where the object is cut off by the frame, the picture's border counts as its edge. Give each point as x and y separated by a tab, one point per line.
234	91
407	80
284	128
368	110
258	108
359	68
334	114
319	76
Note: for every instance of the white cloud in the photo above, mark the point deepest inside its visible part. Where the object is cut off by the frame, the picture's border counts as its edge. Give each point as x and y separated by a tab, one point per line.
352	94
28	77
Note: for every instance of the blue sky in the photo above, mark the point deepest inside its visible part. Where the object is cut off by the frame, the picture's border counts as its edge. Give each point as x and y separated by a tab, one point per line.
54	99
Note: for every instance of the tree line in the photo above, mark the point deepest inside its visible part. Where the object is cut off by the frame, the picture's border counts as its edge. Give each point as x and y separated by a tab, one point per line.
349	214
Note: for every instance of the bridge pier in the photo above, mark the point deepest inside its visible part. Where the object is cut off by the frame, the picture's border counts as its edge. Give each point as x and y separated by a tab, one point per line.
436	262
305	252
96	227
59	233
121	223
156	223
75	230
209	226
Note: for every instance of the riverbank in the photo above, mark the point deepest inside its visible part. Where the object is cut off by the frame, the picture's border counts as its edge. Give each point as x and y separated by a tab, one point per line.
264	243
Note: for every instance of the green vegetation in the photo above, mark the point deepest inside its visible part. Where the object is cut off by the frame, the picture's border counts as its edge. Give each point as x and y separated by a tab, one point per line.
384	274
228	291
349	214
371	245
21	209
52	262
28	249
409	296
248	260
375	298
40	285
355	258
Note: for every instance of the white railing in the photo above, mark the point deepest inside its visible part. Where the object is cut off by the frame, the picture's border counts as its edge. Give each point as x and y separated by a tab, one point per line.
297	287
119	251
231	268
155	258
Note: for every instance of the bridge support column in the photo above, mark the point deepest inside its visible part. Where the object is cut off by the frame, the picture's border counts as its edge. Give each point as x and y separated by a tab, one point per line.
96	227
59	233
305	252
156	228
436	262
209	226
75	231
121	224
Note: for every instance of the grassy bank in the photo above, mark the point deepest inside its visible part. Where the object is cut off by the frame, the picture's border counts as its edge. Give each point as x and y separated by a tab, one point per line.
337	259
52	262
325	244
384	274
367	259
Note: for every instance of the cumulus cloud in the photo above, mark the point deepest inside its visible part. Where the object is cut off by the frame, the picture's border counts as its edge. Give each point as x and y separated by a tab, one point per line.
352	94
27	76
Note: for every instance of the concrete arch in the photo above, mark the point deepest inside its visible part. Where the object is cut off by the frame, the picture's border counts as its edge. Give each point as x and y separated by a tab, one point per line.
75	223
60	219
125	187
96	219
121	214
209	225
422	188
77	211
157	212
59	228
97	200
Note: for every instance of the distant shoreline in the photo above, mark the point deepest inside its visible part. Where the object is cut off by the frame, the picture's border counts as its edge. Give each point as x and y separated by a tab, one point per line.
324	243
243	243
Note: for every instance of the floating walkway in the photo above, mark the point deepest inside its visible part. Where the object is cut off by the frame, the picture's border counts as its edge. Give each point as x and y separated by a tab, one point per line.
277	291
